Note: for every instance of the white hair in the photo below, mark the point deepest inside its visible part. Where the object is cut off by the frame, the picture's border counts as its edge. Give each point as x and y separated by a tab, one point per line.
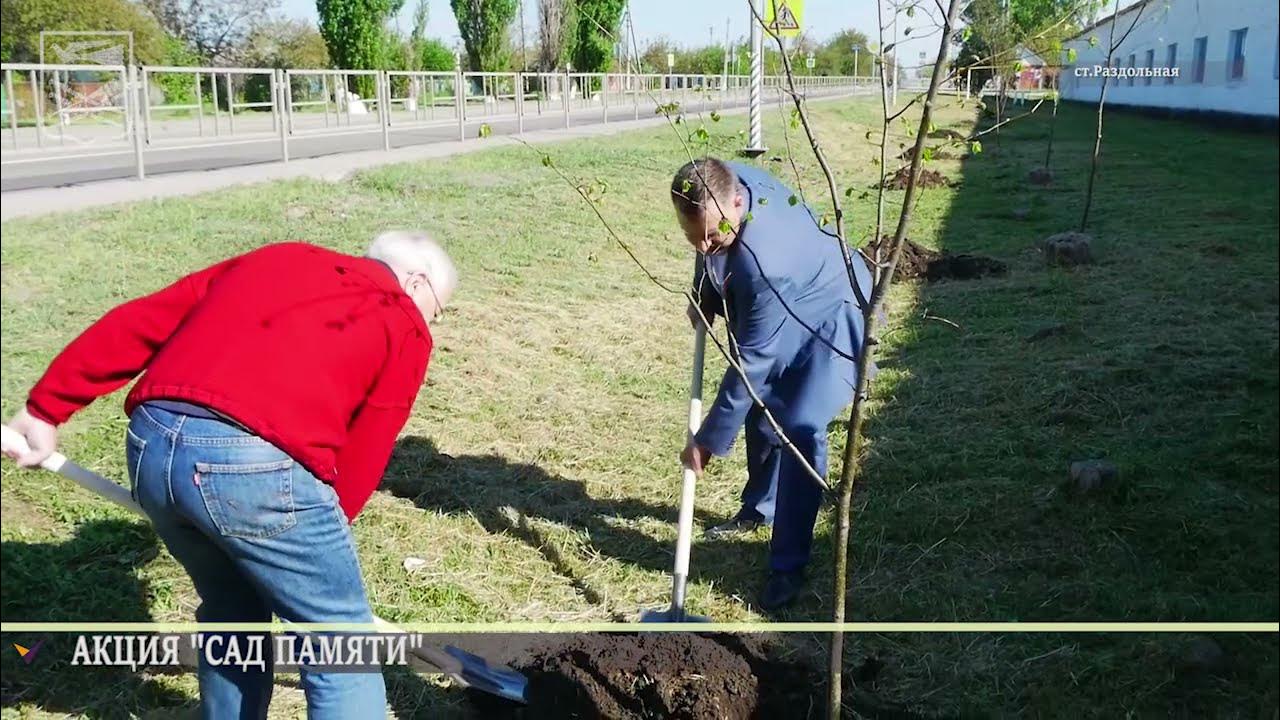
415	251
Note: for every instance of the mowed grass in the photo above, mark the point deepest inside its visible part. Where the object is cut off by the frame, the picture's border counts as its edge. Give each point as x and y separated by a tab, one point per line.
538	476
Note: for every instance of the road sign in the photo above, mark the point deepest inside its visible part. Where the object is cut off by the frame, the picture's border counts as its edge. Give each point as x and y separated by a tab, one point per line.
809	61
671	60
782	17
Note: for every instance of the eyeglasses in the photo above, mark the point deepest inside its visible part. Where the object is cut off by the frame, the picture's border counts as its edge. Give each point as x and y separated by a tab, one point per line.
439	313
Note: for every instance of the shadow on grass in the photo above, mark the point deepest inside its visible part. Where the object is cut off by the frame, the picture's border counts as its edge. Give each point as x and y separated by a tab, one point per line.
509	498
91	577
1159	356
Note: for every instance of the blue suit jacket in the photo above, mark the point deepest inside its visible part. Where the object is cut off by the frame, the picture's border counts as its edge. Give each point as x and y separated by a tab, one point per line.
780	255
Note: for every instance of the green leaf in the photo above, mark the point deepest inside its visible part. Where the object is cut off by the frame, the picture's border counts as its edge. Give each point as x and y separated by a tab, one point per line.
715	116
1093	41
911	11
975	147
1071	55
701	134
686	186
485	130
749	216
793	200
927	154
724	226
825	220
546	161
848	192
966	34
763	201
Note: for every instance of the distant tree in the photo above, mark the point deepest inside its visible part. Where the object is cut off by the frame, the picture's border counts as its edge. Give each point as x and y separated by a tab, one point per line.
557	22
22	20
483	25
354	32
215	29
285	43
836	56
434	55
596	33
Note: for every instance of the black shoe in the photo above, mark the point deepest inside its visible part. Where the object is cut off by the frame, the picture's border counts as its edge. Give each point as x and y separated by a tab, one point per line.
780	590
738	524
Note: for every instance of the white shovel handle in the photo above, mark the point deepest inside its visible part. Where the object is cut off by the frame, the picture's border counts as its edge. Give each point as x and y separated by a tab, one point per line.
689	481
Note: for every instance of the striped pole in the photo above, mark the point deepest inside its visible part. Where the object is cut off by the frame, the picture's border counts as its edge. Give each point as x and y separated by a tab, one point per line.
755	136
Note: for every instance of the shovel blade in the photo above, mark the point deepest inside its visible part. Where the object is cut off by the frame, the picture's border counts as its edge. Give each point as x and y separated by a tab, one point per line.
478	674
671	615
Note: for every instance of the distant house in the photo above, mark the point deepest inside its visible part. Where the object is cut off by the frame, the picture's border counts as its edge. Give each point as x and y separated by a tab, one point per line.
1185	55
1031	70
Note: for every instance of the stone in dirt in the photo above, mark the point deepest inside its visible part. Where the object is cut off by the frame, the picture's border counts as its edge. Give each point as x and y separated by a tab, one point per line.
1041	176
1089	476
919	262
681	676
1068	249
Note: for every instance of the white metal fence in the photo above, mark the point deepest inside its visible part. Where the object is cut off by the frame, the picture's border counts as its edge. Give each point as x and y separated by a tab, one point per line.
80	111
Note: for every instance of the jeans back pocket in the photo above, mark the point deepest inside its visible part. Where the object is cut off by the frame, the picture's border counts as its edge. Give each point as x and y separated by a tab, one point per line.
134	447
248	500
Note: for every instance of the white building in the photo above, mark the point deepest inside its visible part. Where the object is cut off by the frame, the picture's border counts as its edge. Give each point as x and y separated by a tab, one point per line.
1218	56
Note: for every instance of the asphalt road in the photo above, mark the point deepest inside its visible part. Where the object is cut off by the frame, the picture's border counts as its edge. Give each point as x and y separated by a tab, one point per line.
56	167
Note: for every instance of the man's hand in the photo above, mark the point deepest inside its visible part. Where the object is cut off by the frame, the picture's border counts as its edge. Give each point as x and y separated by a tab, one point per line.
41	437
695	319
695	457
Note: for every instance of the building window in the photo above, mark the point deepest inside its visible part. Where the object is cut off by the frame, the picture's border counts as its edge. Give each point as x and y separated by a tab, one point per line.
1151	66
1171	61
1133	63
1235	57
1197	61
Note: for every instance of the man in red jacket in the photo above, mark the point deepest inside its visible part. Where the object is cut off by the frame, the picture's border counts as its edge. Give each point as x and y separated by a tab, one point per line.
273	386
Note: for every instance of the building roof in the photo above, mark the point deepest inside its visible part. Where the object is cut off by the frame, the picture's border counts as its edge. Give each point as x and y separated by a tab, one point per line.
1097	23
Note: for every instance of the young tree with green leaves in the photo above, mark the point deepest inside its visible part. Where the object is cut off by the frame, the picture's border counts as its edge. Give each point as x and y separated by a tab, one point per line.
483	25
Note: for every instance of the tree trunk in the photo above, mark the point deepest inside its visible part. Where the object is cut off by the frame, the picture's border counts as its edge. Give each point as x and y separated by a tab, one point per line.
854	435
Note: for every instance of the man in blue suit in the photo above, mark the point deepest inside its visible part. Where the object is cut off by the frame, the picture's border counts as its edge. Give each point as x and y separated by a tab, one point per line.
797	325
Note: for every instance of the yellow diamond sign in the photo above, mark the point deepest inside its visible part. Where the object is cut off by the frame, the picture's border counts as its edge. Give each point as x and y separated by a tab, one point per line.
782	17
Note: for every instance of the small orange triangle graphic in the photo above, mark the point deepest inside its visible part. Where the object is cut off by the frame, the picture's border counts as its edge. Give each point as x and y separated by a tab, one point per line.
22	651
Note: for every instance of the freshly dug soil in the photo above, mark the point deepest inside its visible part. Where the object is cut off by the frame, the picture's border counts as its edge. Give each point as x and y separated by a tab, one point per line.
928	179
918	262
681	676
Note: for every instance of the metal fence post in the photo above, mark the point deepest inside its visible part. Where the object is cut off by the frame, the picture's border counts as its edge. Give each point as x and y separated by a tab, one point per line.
604	95
58	114
38	107
520	103
13	107
199	107
231	107
145	88
131	95
275	99
277	106
383	79
217	112
460	100
288	100
635	94
568	87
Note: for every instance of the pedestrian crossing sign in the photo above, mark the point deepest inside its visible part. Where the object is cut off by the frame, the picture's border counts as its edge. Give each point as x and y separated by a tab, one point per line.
782	17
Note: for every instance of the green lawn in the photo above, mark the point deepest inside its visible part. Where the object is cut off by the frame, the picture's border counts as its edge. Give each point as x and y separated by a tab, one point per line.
538	475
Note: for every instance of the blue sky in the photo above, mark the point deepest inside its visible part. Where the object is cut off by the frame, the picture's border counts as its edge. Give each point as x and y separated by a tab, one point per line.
686	22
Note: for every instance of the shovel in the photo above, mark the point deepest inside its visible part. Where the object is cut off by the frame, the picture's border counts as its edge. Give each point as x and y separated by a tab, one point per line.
684	536
464	668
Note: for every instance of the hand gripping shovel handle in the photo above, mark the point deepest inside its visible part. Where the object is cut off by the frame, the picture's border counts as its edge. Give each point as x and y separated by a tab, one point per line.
459	665
689	483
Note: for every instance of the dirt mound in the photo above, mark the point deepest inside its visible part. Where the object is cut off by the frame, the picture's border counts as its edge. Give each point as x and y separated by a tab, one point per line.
682	676
928	179
918	262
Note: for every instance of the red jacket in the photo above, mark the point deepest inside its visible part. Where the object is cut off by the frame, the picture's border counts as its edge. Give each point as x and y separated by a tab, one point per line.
319	353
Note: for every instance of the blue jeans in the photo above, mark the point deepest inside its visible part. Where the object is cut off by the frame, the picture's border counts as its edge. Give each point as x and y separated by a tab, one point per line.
259	535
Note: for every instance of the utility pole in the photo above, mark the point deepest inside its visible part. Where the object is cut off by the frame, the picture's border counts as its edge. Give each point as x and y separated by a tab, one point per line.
524	57
724	78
